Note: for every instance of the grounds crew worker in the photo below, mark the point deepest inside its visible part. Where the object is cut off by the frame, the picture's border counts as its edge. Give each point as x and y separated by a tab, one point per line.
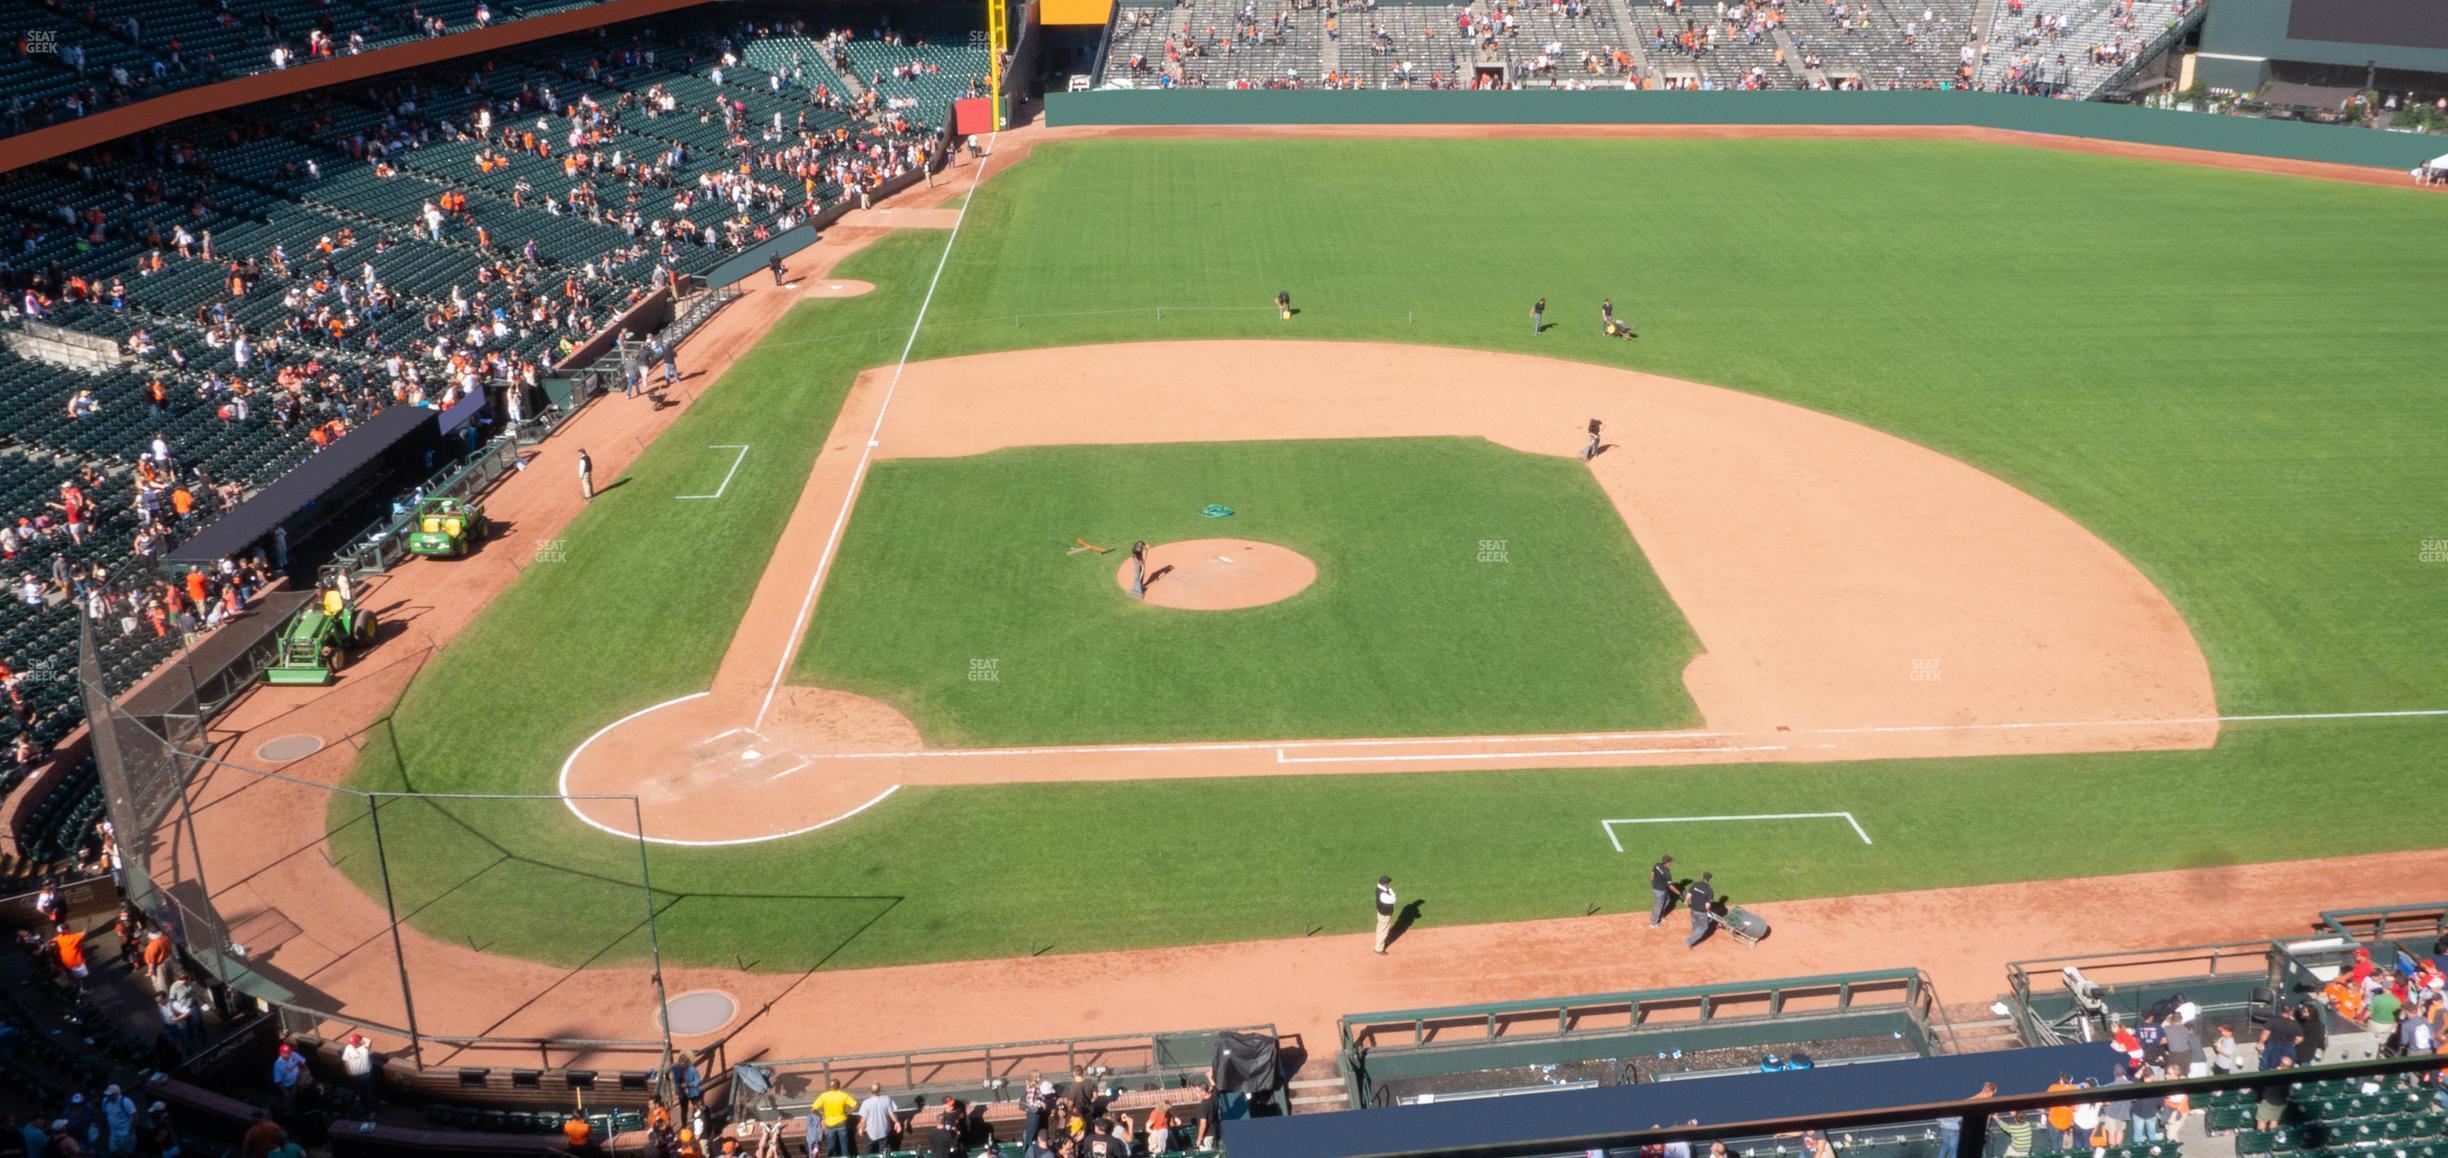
1661	890
1701	899
1385	912
586	474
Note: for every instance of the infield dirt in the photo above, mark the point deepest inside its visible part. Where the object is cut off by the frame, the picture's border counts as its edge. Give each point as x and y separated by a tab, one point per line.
1960	936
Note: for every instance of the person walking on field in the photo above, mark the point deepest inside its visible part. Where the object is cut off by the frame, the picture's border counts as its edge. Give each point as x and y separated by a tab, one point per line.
1538	316
1661	890
586	475
1698	899
1385	912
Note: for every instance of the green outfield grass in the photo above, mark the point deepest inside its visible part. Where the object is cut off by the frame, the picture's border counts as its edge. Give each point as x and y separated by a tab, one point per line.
1407	631
2225	375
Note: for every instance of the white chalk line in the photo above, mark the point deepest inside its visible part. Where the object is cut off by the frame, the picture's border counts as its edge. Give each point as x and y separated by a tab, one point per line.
1281	746
1847	817
1557	754
591	822
736	460
858	475
2173	721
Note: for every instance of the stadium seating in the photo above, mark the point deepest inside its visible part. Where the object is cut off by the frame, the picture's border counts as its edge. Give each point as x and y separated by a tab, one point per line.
110	52
946	72
1874	44
2086	24
283	176
2336	1119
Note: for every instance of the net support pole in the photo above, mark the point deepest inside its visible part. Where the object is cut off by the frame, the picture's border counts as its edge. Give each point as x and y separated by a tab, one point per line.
399	955
654	940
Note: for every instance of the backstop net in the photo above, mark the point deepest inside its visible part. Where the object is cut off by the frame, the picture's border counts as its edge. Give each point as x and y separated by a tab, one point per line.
303	871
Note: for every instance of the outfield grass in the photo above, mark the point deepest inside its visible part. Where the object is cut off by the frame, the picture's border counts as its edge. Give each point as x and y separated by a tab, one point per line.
2223	374
1405	632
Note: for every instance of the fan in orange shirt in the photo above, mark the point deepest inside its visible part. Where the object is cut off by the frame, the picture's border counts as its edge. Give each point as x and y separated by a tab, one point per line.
71	948
2061	1118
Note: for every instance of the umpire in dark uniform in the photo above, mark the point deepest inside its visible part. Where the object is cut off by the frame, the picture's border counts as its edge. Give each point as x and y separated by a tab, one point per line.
1661	890
1701	899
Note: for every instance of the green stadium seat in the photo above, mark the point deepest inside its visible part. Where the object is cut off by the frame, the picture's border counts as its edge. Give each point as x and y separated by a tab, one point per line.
2254	1142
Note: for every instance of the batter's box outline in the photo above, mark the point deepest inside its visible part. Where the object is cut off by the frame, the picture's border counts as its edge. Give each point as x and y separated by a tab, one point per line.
736	460
1608	826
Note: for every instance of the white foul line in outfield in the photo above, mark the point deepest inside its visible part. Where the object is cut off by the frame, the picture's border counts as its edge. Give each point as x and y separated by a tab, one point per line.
1721	749
742	448
858	476
2269	717
1282	746
1847	817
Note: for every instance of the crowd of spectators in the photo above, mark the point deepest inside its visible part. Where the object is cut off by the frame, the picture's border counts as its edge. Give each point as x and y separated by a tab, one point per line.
277	275
1846	44
92	61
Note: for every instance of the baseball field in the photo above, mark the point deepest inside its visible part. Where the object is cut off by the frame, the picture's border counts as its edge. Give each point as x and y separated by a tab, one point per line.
1909	380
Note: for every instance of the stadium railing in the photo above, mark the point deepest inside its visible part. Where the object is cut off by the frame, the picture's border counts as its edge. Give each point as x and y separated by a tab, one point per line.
2388	922
993	1073
2217	977
1893	1004
1975	1115
376	548
2151	53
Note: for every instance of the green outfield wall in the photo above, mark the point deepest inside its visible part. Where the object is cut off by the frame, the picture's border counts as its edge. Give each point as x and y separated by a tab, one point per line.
2338	144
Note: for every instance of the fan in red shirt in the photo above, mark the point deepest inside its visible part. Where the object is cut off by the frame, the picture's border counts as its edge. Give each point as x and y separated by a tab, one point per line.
2125	1042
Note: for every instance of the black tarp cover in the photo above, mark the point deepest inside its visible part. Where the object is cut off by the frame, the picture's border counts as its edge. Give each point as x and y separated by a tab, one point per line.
1245	1063
305	484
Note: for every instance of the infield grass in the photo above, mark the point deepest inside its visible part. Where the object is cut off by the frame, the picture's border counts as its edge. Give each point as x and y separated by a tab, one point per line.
1406	632
2227	376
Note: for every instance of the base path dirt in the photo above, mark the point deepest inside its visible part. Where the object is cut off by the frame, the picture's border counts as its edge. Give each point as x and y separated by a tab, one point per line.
1858	596
272	874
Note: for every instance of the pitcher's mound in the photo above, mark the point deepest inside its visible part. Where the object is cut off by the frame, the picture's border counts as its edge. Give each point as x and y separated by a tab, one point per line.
1221	574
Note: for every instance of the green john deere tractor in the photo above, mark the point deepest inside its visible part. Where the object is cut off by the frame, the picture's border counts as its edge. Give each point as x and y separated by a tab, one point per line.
447	528
320	639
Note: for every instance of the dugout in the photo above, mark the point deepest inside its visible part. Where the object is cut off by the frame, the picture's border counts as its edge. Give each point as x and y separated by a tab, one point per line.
298	518
1518	1124
1676	1035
